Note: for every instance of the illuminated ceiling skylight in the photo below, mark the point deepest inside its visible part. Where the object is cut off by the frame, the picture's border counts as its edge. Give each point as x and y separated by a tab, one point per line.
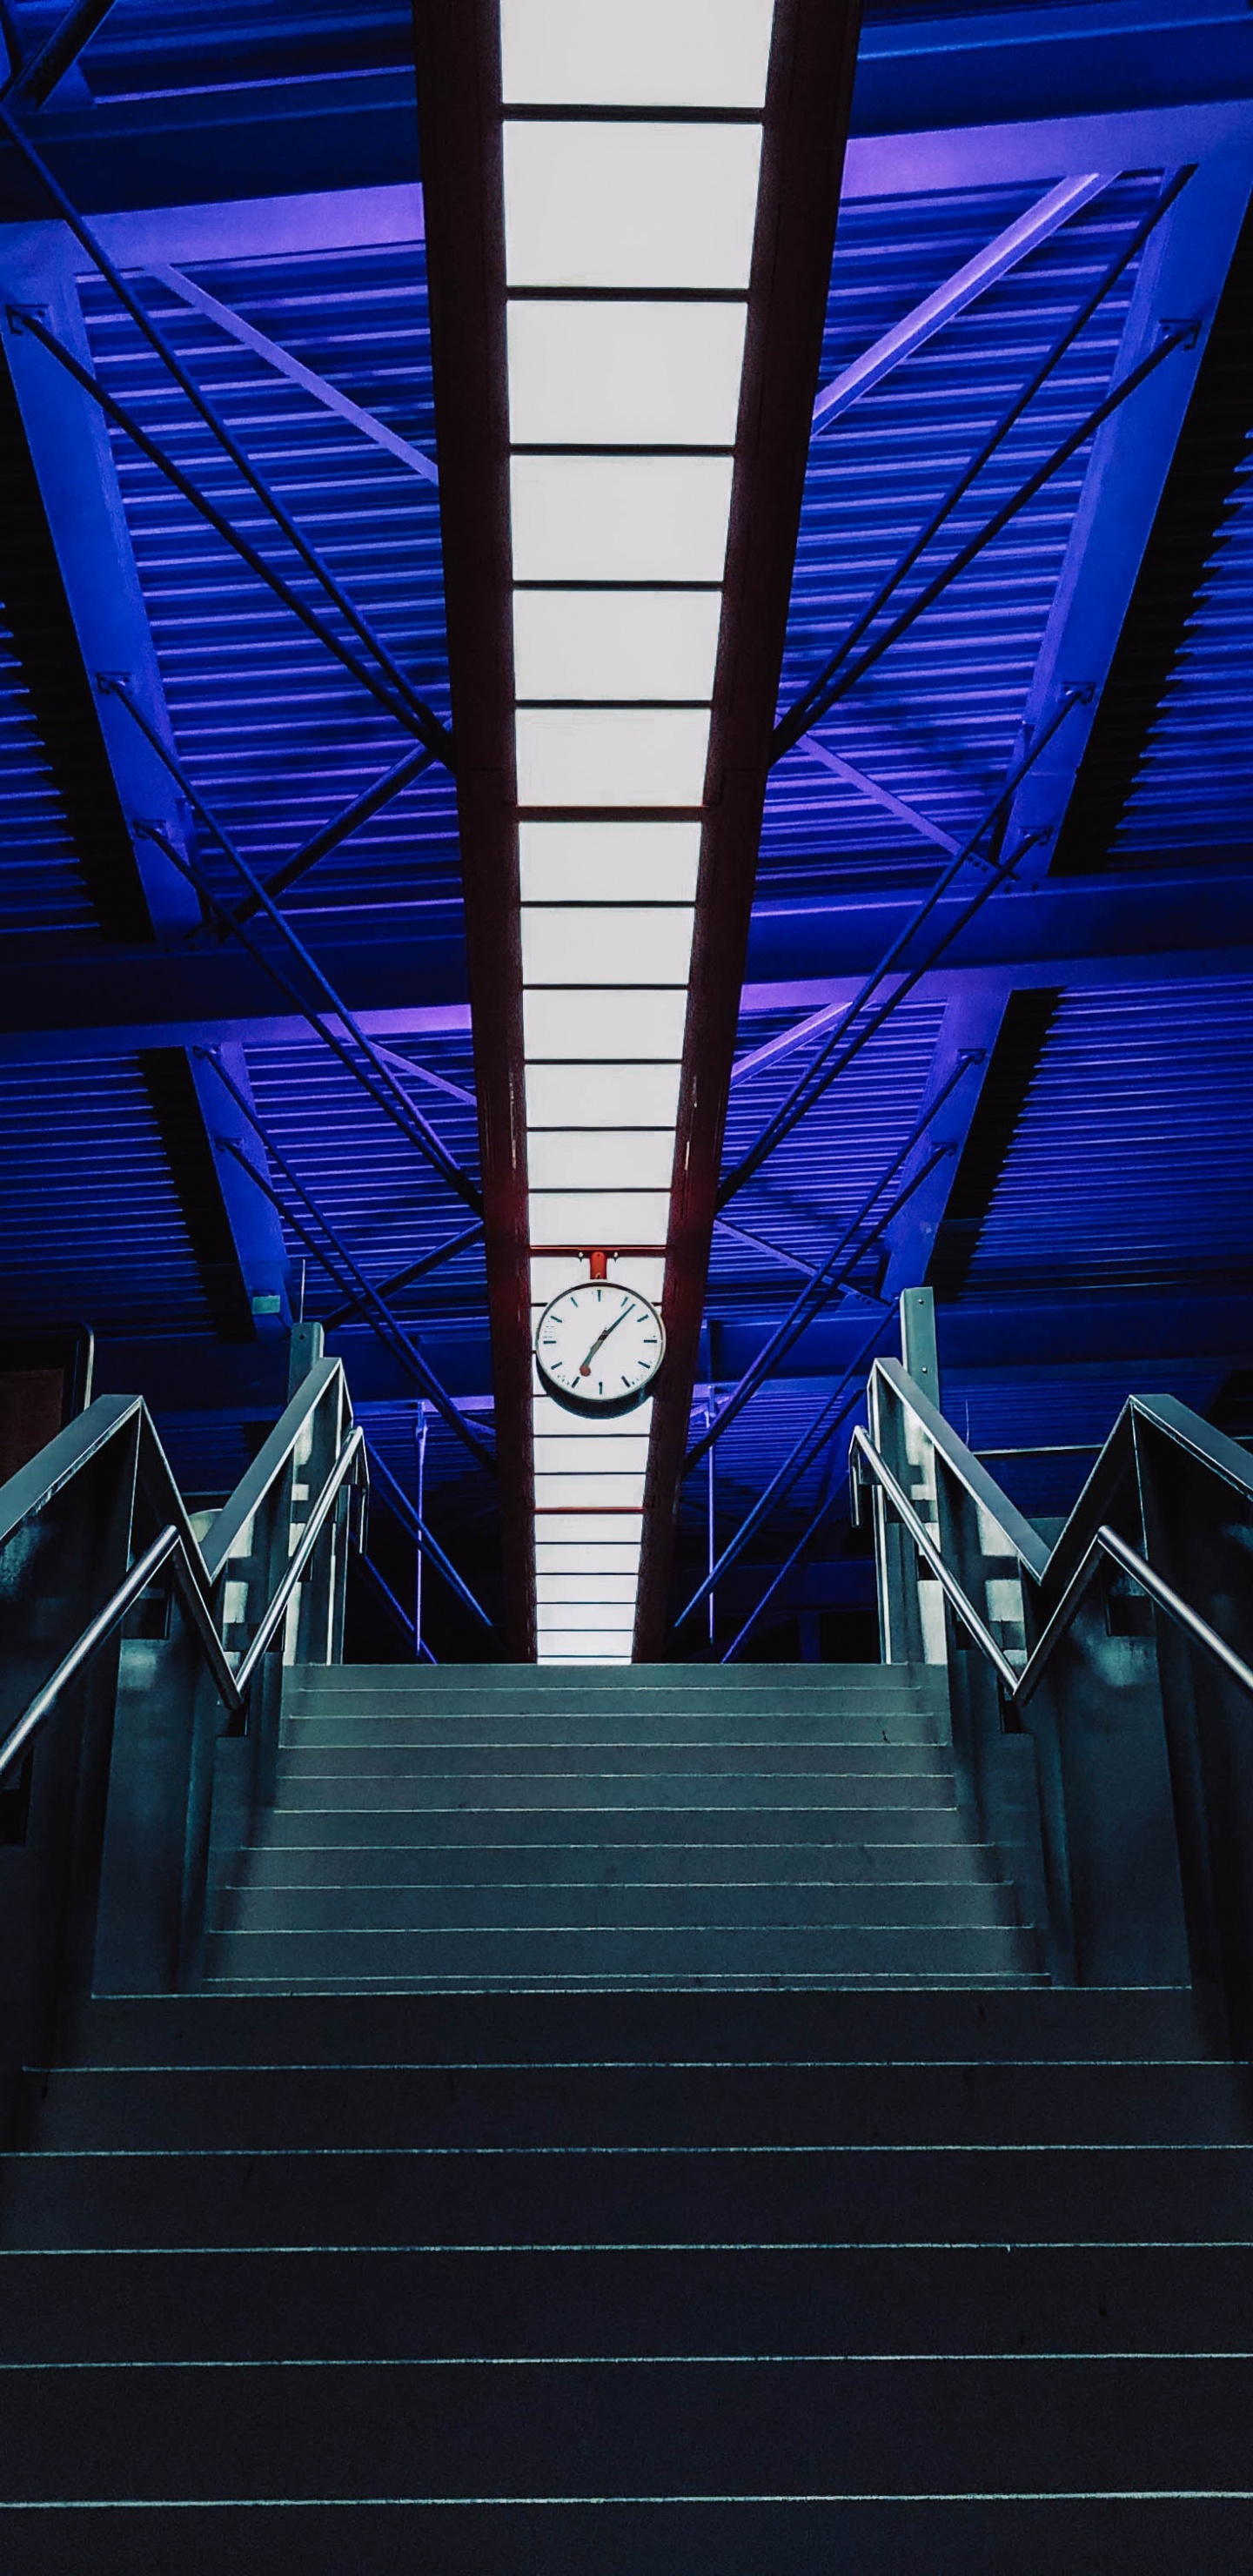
628	241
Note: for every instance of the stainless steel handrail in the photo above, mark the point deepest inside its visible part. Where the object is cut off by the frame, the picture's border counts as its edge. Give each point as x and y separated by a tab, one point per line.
1019	1686
271	1460
1106	1542
232	1685
1021	1538
309	1538
93	1635
927	1549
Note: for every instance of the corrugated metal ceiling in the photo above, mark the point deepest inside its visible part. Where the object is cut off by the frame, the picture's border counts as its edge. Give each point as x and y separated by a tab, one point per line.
274	734
1130	1167
936	720
1128	1170
90	1224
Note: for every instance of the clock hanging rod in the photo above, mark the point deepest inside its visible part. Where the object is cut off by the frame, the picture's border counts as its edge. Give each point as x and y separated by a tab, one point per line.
594	1254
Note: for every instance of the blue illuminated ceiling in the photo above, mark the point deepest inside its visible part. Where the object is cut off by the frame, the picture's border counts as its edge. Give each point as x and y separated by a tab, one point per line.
1080	1200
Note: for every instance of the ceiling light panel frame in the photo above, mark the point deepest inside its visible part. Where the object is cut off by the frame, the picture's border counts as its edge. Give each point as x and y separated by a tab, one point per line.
602	271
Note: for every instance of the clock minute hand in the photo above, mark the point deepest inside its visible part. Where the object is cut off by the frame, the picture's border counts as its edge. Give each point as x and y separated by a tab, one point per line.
601	1338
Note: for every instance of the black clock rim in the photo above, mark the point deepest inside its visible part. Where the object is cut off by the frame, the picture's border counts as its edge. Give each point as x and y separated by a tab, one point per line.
591	1408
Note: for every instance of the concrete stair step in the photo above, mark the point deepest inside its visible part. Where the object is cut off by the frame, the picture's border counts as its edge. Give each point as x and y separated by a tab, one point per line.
476	1682
609	2195
1104	2024
800	2426
413	1864
468	2303
177	2109
351	1825
882	2535
361	1723
799	1905
679	1953
605	1791
750	1763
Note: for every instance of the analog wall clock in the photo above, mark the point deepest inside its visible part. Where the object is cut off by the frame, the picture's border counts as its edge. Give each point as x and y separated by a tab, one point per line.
598	1348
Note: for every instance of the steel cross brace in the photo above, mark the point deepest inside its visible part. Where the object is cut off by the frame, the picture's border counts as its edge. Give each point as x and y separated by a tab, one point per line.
840	1260
412	1127
427	723
827	1421
36	80
841	1047
804	1542
377	1312
410	1120
836	677
22	318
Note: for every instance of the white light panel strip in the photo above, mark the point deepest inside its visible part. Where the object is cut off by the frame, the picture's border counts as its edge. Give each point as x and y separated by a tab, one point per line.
628	239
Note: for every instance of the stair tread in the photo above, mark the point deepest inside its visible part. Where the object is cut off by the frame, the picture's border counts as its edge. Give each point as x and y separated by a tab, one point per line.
583	2427
895	2193
749	1905
1096	2023
417	1864
948	2534
393	2303
706	2103
572	1948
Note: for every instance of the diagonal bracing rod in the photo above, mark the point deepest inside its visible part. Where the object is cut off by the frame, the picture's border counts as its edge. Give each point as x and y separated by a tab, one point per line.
799	718
405	1278
1027	233
843	1255
827	1420
392	1335
806	1539
21	317
814	701
810	1304
406	1512
318	1022
434	734
380	1317
800	1106
1000	430
38	78
371	801
286	364
387	1092
840	1048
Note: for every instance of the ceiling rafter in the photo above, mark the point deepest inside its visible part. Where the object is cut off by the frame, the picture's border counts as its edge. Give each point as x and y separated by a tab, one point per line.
805	958
238	1246
1181	277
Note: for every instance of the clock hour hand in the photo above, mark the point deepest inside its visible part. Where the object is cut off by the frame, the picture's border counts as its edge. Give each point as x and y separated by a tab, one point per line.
586	1369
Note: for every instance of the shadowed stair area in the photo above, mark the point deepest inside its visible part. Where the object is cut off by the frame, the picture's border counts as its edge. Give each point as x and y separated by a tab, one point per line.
590	2261
657	1826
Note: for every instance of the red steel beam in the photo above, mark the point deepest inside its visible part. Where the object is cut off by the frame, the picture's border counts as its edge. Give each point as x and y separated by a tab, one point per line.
806	125
457	45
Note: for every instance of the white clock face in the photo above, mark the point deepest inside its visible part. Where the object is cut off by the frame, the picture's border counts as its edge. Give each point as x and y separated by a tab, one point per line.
598	1347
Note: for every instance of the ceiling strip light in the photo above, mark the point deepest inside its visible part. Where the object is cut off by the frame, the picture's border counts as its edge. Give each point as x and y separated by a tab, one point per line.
627	252
619	200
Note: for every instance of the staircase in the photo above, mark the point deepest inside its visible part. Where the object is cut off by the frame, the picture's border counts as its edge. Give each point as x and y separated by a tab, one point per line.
503	1826
497	2210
